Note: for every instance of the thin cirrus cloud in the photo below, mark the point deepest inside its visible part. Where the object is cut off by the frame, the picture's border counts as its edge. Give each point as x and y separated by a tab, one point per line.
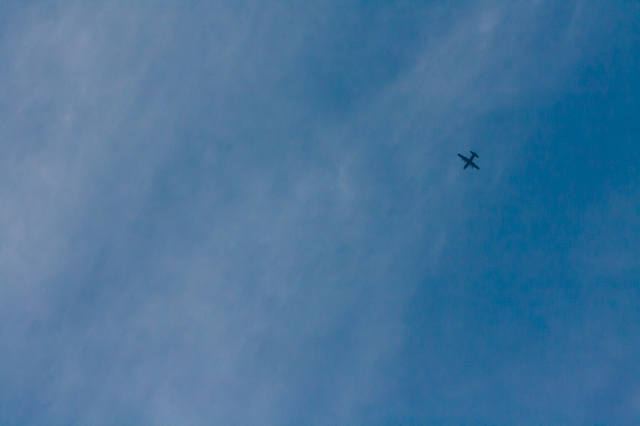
249	213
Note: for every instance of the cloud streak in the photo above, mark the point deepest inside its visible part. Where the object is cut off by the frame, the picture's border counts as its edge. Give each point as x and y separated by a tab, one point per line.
230	212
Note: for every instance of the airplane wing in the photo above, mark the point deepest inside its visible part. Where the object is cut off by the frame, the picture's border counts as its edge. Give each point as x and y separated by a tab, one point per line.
463	157
473	165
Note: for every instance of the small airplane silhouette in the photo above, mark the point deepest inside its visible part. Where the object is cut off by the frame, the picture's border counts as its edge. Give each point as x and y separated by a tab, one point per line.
469	161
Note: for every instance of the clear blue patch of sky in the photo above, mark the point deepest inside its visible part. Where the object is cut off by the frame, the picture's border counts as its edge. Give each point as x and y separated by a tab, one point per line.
507	291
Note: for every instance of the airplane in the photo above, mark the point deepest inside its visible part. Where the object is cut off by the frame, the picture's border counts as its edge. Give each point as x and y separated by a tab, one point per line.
469	161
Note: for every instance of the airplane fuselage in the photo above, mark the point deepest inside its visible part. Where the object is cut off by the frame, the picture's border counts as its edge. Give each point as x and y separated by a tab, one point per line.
469	161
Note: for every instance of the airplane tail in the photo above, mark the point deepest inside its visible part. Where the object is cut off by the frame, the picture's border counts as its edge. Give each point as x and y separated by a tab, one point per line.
474	154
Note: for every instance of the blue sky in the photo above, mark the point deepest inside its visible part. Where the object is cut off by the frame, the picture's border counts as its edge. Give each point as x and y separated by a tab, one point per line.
243	212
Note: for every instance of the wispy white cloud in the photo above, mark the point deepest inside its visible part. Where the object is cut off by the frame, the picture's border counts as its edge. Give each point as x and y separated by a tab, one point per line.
191	233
